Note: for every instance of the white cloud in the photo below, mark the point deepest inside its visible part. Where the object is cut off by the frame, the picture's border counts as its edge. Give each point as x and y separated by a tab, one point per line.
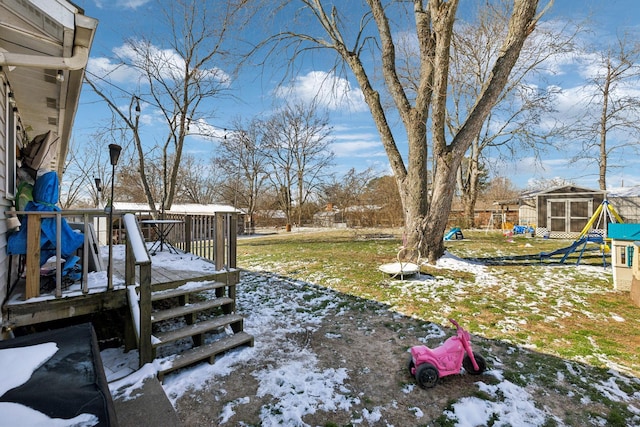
103	67
122	4
169	65
358	148
325	89
352	142
200	128
131	4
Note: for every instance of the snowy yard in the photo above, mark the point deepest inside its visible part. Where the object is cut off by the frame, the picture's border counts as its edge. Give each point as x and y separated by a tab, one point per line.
327	358
330	351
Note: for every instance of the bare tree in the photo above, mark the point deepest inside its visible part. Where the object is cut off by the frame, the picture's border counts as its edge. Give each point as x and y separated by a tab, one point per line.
610	121
383	194
347	190
199	181
297	142
433	23
242	158
547	184
76	185
500	188
87	161
177	73
521	120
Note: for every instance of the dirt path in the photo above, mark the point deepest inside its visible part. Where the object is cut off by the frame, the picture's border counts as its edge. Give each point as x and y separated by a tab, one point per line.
327	359
367	342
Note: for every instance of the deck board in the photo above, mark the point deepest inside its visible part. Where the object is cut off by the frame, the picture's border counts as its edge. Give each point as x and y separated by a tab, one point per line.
46	308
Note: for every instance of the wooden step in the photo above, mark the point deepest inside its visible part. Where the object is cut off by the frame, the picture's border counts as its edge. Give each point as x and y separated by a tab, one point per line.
207	352
182	310
197	329
186	289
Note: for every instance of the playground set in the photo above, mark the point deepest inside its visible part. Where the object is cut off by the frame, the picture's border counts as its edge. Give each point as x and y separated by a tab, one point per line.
593	232
454	233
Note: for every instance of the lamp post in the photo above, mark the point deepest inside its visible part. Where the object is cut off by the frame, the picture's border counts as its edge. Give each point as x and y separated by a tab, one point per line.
114	154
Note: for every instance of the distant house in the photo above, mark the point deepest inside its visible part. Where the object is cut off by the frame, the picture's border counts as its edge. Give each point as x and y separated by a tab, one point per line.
270	218
626	200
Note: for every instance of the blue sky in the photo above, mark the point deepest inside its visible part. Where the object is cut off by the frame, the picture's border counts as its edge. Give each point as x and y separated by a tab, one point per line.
356	141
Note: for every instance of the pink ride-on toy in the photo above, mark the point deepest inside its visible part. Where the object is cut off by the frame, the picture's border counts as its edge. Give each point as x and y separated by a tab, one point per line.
428	365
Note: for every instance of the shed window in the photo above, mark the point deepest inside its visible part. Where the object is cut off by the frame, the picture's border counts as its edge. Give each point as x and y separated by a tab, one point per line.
569	215
580	212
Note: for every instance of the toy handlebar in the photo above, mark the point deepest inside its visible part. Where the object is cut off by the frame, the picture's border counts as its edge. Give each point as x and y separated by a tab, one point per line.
454	323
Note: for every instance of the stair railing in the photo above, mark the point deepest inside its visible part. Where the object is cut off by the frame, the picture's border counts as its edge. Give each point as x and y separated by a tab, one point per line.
137	255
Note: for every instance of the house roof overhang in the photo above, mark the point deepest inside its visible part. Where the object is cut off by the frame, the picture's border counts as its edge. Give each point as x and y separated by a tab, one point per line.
44	49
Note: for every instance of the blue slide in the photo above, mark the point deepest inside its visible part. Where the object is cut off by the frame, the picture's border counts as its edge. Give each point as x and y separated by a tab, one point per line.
455	232
565	251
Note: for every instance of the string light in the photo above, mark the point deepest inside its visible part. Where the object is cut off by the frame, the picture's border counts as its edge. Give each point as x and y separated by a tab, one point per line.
138	99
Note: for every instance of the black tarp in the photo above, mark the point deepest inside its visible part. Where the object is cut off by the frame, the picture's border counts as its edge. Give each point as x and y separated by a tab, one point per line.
72	382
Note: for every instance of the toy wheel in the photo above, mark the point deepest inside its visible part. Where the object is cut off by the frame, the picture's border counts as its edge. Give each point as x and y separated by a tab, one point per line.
468	365
410	365
427	375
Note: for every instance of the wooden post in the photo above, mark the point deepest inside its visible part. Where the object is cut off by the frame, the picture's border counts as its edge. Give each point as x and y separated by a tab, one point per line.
58	255
32	286
232	240
85	255
187	233
145	348
219	239
129	265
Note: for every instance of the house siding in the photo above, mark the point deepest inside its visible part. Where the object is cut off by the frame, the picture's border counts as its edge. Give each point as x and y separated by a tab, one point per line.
4	202
628	207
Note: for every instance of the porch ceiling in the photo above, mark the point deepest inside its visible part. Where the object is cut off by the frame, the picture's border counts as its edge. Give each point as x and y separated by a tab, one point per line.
43	101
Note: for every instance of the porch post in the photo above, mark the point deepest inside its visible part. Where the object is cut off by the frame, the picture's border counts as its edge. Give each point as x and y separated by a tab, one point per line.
32	286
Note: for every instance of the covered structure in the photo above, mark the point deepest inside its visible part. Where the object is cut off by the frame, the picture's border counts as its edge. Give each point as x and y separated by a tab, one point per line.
563	212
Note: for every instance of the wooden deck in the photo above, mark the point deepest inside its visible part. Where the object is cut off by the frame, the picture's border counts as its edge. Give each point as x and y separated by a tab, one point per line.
20	312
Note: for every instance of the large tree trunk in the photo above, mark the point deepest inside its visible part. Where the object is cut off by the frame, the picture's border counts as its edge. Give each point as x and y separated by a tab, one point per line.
435	222
425	215
449	156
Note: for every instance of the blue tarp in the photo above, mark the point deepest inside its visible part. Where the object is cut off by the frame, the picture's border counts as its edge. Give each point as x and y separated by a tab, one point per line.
45	197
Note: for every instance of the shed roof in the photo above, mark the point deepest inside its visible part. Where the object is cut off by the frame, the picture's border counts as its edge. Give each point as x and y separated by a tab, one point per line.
191	208
568	189
633	191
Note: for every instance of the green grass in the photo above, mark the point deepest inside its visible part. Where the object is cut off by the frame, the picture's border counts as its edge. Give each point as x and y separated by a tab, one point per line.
559	331
554	308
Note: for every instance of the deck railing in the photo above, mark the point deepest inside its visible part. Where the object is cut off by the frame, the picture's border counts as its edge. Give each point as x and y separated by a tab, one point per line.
137	258
211	236
32	268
